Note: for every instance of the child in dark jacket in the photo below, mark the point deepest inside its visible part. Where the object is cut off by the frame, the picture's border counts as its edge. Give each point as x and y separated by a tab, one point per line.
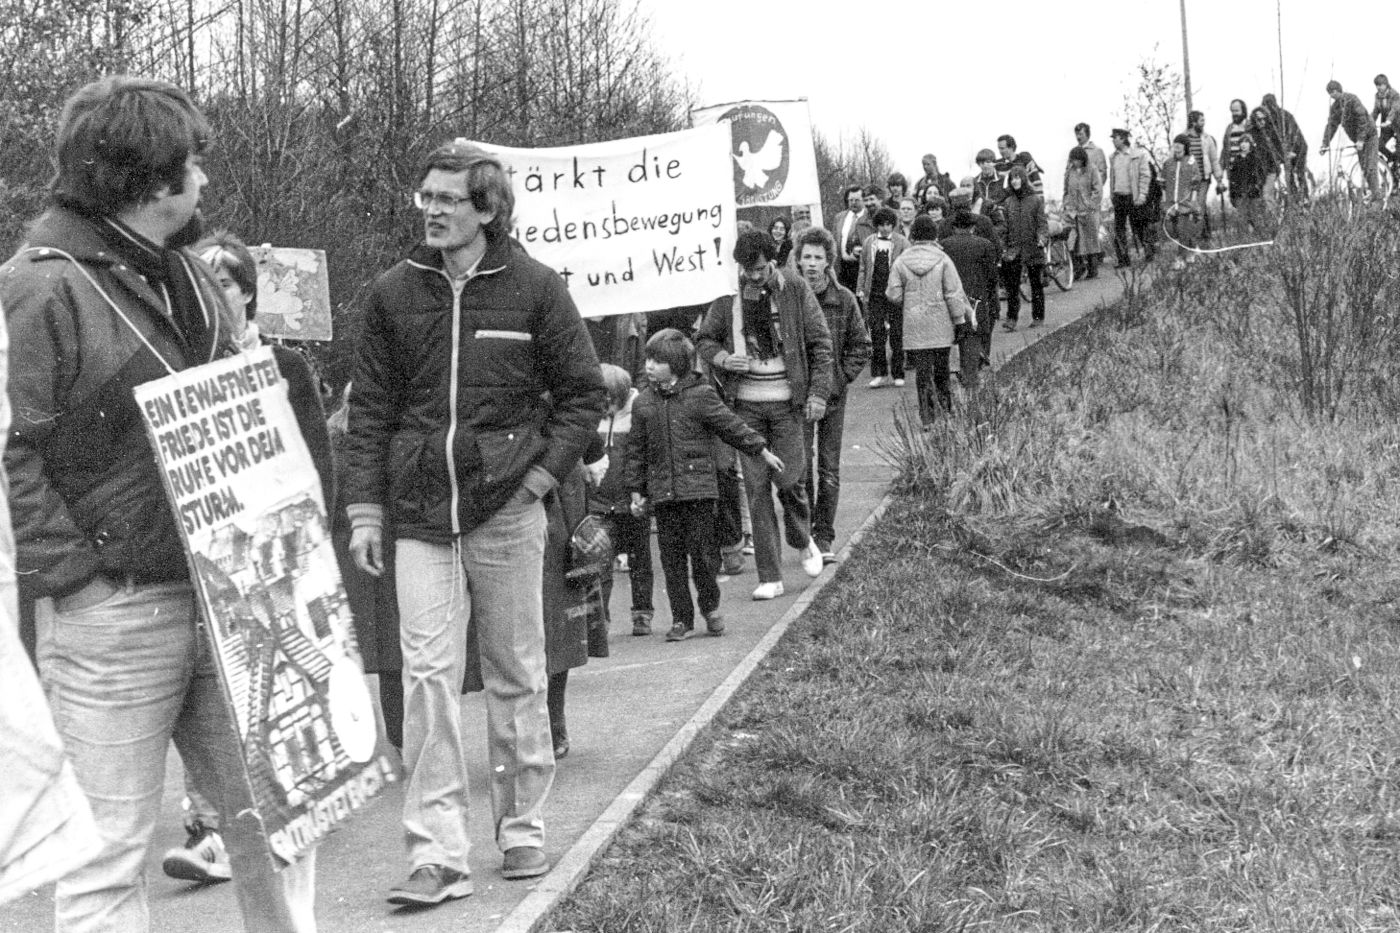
671	466
631	534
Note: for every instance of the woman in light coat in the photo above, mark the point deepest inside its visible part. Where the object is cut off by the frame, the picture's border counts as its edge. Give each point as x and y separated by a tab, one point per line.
925	281
1082	203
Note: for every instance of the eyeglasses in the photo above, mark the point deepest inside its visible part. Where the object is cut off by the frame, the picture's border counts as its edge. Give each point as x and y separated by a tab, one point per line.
447	203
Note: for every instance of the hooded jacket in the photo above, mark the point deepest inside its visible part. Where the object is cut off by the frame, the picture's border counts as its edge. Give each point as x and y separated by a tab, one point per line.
86	495
465	388
926	283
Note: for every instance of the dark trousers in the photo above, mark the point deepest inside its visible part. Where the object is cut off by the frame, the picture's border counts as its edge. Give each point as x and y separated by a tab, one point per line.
729	508
1011	279
971	350
886	325
931	379
824	471
1126	214
632	536
848	273
781	424
685	535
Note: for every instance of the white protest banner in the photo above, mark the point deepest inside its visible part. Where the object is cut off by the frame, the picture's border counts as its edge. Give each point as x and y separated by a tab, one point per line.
248	502
771	153
294	293
632	225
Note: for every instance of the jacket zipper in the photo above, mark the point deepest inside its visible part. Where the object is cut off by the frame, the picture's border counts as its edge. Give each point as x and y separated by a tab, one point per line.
457	286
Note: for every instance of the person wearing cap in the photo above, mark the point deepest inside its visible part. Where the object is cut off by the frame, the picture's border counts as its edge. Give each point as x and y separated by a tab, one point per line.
476	391
1129	176
1350	114
961	200
1181	178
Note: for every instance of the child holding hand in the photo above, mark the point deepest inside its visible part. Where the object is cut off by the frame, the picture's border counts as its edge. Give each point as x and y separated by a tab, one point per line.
671	468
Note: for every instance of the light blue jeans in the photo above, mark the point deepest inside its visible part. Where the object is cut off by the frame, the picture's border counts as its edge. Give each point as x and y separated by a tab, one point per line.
492	579
123	678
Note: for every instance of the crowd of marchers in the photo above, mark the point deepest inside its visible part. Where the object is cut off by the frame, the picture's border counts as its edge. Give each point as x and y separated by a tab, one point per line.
491	445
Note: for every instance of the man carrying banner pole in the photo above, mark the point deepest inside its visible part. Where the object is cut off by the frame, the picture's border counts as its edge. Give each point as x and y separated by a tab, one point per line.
476	390
100	300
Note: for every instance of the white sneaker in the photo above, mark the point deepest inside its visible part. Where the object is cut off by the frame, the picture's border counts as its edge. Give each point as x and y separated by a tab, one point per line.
768	590
812	562
877	382
202	858
899	383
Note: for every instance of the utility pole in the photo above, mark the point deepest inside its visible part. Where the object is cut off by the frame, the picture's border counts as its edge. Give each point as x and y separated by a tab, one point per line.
1185	57
1278	8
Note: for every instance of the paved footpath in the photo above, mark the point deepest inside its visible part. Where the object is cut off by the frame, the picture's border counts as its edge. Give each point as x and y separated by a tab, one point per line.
622	711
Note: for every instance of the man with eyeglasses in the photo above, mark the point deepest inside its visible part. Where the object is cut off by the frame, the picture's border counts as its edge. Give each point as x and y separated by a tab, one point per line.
476	390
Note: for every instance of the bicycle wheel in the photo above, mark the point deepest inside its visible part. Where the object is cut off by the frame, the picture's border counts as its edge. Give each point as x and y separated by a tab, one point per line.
1357	180
1060	265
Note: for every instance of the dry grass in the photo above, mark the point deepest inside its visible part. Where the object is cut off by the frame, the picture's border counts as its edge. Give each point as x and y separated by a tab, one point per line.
1123	656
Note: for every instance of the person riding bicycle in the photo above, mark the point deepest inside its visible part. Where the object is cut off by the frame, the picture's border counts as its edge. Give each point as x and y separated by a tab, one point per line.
1351	115
1386	110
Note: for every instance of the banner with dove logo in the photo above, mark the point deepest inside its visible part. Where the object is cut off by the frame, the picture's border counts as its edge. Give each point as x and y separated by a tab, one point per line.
774	162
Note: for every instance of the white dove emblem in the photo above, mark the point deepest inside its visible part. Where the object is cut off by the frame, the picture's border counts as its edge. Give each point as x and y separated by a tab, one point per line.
758	165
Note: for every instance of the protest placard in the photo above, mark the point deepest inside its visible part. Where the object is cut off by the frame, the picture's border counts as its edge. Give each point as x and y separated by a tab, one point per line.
248	502
294	293
772	158
632	225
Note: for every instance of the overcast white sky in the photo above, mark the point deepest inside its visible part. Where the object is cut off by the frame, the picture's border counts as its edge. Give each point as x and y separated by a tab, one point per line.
932	75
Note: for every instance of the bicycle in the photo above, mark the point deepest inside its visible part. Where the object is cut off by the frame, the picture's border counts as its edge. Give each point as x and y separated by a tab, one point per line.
1348	175
1059	262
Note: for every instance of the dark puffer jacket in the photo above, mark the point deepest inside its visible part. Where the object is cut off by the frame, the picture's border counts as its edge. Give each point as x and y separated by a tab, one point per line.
85	493
670	452
461	390
1026	224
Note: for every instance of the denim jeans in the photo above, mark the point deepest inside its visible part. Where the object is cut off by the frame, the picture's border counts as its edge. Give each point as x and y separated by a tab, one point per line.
123	678
782	426
492	579
824	474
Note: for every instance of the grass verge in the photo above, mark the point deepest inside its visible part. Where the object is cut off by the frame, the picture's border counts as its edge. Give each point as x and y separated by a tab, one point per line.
1122	655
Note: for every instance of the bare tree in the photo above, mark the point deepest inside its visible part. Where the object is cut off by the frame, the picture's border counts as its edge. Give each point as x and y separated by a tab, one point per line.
1155	106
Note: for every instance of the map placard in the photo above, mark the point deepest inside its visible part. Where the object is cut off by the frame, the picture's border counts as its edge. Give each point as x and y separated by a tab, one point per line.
294	293
248	503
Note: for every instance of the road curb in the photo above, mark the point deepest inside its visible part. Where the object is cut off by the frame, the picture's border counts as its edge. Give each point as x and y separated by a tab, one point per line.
568	873
573	867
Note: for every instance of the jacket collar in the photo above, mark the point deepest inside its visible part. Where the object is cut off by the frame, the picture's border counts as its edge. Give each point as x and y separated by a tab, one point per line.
61	228
495	259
